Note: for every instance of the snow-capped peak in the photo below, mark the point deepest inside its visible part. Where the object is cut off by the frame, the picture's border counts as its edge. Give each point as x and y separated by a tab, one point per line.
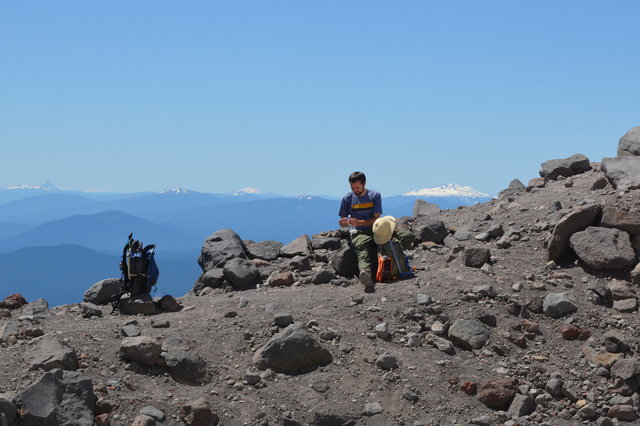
246	191
448	190
47	186
176	191
305	197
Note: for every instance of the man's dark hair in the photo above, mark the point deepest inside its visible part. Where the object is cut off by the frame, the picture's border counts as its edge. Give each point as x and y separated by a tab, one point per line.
357	177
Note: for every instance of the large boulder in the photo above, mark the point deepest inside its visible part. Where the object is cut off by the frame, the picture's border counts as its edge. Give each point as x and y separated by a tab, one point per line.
265	250
566	167
344	262
58	397
514	187
423	208
630	143
188	368
50	353
326	243
427	229
213	278
241	273
219	248
292	350
8	407
621	219
301	246
578	220
603	248
143	349
622	172
8	330
15	301
103	291
468	334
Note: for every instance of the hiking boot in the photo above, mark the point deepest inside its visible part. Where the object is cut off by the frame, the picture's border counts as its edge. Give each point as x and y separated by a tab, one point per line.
365	279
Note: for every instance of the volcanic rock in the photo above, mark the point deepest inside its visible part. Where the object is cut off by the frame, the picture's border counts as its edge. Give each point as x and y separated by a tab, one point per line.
241	273
292	350
514	187
219	248
630	143
301	246
58	397
557	305
616	218
566	167
476	257
424	208
497	394
141	304
143	350
426	228
622	172
603	248
265	250
468	334
103	291
344	262
51	353
198	413
187	368
577	220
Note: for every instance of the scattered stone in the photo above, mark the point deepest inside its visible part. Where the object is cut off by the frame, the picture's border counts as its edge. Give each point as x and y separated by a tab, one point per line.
626	368
387	362
58	397
522	405
622	172
470	388
600	183
372	409
382	331
498	393
344	262
301	246
424	299
556	305
213	278
187	368
52	353
515	186
427	229
468	334
8	332
169	304
566	167
603	248
323	276
443	345
103	292
265	250
627	221
292	350
625	305
282	319
576	221
130	330
89	310
241	273
198	413
143	350
476	257
143	420
625	413
326	243
282	279
160	323
410	394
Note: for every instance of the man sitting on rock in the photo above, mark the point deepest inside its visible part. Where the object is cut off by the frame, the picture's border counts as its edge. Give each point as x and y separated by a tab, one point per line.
359	210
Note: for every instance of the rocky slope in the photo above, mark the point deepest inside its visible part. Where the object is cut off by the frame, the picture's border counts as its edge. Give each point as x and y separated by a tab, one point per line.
523	311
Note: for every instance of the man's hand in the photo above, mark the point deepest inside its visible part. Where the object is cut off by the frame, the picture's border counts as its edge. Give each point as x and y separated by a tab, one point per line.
343	222
353	221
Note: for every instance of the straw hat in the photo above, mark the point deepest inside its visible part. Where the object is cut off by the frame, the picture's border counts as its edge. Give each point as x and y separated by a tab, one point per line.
383	229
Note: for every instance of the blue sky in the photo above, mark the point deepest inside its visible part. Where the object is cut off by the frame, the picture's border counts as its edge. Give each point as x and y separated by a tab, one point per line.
291	96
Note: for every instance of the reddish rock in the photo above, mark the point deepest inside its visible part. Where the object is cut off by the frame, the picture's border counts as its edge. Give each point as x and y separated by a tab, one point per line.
530	326
584	334
103	419
198	413
283	279
536	183
15	301
497	393
470	388
569	332
622	412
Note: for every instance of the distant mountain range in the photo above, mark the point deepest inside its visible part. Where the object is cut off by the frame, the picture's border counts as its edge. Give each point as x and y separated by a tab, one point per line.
59	242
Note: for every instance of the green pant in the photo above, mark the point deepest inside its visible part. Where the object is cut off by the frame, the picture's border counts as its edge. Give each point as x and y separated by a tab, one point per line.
366	251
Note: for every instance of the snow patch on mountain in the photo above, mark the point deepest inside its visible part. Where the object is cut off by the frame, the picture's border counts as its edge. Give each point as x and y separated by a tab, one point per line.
449	190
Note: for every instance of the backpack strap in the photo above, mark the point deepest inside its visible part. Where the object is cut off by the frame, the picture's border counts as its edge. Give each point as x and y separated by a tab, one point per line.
400	273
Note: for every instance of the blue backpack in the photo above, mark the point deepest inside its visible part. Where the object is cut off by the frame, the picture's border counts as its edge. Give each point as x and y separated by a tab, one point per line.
139	269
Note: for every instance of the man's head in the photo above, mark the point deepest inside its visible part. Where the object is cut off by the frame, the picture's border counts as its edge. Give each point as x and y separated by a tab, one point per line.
357	180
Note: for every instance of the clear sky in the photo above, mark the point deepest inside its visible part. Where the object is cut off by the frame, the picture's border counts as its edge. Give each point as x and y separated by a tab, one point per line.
292	96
